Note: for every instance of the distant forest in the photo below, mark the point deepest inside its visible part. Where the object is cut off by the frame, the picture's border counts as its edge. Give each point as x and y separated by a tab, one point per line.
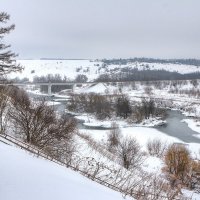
128	74
194	62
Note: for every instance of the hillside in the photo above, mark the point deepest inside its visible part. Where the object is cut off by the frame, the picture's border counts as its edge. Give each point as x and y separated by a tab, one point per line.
26	177
92	69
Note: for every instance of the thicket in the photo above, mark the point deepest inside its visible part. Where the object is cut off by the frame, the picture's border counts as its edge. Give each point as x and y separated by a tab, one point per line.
100	105
157	148
36	123
108	106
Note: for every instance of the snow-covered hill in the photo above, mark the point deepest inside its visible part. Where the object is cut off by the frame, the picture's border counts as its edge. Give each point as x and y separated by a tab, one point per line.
92	69
68	68
24	177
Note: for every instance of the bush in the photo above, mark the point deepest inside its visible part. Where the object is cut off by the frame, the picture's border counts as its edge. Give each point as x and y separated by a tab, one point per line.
123	107
177	161
81	78
156	148
114	137
99	105
129	153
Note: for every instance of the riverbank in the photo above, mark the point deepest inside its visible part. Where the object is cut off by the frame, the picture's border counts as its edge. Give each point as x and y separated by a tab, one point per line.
91	121
193	124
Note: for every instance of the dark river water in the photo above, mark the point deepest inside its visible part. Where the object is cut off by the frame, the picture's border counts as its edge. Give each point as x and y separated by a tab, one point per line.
174	126
178	129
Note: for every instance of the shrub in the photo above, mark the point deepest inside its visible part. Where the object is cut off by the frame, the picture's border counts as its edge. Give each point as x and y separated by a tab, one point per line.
123	107
99	105
114	137
177	161
129	153
156	147
81	78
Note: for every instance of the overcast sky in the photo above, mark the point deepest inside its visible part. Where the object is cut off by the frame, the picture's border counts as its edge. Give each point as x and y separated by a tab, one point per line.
104	28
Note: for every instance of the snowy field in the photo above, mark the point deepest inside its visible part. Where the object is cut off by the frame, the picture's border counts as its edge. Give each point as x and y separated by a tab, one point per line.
68	68
91	68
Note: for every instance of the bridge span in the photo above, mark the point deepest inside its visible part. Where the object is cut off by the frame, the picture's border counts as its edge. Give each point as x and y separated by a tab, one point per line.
49	84
74	84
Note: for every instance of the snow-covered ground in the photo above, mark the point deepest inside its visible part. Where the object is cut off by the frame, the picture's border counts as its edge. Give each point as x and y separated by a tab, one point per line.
194	125
91	121
143	135
68	68
92	69
24	177
58	182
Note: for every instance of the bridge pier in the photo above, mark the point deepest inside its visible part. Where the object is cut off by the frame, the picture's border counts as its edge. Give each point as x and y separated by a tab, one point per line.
73	87
49	89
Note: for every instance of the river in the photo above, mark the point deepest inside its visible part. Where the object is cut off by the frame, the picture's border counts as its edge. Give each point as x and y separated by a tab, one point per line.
174	126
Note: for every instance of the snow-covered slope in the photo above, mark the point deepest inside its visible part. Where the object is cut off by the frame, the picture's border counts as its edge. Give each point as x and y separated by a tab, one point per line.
68	68
24	177
92	69
180	68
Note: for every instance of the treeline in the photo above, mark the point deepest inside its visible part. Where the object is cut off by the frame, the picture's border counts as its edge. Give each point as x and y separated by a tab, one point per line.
57	78
133	74
108	106
194	62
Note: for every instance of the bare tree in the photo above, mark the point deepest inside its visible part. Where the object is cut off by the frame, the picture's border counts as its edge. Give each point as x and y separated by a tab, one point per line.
82	78
63	145
148	90
37	123
156	147
33	122
123	107
114	137
157	188
4	99
148	108
129	153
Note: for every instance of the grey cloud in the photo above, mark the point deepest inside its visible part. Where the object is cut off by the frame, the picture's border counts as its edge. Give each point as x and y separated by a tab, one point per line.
105	28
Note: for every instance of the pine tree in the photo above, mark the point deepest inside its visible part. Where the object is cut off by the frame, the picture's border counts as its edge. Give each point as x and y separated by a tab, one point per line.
7	57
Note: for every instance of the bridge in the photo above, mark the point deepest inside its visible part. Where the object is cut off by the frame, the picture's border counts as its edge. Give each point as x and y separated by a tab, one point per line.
73	84
49	84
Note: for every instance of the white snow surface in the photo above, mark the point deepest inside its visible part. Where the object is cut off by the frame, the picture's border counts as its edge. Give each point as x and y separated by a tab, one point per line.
92	69
68	68
24	177
194	125
143	135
